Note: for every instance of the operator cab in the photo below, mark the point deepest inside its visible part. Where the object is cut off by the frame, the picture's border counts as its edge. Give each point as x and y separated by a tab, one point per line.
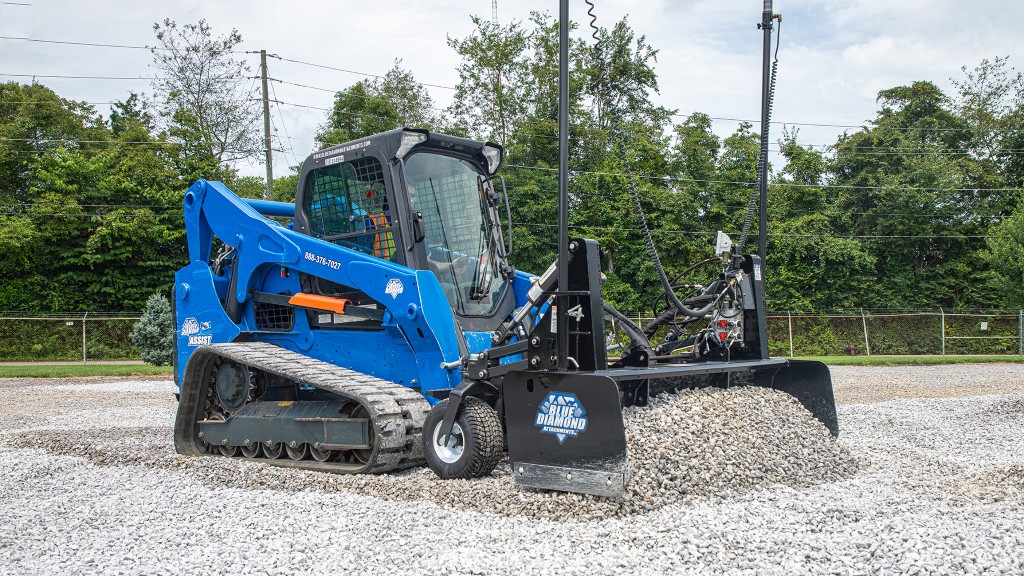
416	198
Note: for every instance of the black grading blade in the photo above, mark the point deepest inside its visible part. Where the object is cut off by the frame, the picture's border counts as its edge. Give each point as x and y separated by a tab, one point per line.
809	382
565	432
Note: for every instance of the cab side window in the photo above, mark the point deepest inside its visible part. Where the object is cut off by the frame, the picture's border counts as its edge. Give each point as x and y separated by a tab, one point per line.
346	204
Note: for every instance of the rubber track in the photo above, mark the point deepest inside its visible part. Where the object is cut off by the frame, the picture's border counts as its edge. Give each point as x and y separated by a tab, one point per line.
396	412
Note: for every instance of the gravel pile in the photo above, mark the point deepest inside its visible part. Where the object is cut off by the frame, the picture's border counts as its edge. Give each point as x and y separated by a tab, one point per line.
707	442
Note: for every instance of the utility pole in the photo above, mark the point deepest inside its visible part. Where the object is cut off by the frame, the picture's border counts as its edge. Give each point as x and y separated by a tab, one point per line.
269	193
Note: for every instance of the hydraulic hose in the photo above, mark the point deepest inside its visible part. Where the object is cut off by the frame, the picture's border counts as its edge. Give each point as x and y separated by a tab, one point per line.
619	140
636	335
762	160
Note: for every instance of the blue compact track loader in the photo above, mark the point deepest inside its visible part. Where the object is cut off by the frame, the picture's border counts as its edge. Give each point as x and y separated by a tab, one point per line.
376	324
381	325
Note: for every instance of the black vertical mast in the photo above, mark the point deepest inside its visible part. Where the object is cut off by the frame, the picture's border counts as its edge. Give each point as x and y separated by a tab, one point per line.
766	29
563	179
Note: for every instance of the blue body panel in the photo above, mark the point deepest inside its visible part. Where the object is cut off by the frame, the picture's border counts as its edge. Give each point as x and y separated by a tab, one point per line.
418	331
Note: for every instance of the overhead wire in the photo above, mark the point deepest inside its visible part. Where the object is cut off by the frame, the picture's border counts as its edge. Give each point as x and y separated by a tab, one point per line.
72	77
93	44
432	85
285	125
770	235
778	182
366	74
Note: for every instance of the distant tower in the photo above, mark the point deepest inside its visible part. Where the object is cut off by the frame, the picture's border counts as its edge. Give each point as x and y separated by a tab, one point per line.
494	12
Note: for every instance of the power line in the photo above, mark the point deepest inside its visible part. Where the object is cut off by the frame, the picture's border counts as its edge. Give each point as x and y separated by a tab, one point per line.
285	125
822	124
441	86
275	101
94	44
77	141
54	103
82	77
9	205
324	66
72	215
319	88
776	182
770	235
333	111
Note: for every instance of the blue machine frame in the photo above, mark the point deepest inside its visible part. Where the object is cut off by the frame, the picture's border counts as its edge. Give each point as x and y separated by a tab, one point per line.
419	331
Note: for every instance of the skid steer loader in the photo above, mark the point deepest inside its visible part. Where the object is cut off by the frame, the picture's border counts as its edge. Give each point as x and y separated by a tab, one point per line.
376	324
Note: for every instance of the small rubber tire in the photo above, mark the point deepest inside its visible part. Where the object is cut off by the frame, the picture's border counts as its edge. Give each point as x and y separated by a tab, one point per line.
482	440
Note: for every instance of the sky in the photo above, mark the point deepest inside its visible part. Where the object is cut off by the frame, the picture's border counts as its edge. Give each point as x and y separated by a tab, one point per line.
835	55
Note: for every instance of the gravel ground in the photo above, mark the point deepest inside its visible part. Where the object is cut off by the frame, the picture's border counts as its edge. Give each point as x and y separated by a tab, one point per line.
928	476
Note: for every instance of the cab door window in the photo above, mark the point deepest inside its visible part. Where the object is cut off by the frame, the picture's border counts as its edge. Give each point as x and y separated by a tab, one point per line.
347	204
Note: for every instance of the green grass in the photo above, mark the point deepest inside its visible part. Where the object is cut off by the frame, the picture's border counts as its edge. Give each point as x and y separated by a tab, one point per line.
909	360
71	370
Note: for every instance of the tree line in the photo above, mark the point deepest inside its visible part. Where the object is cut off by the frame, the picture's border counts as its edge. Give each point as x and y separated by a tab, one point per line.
920	208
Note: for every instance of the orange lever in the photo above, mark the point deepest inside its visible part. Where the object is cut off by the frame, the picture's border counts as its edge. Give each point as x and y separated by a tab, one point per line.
318	302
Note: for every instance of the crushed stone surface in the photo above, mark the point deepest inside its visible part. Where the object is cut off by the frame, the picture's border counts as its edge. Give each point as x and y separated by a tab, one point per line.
926	477
681	446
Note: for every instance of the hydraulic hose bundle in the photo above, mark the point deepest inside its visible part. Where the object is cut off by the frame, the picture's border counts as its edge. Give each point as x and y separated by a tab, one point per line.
715	290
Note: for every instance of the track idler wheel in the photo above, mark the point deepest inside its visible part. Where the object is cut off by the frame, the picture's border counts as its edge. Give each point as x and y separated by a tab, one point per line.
299	452
273	450
233	385
320	455
474	446
229	451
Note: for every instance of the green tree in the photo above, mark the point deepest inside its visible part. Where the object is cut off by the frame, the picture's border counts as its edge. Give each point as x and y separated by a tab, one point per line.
494	80
810	267
132	111
207	103
35	121
1005	254
377	105
154	333
905	186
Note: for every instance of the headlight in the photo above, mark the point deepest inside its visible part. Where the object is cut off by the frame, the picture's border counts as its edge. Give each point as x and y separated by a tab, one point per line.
409	139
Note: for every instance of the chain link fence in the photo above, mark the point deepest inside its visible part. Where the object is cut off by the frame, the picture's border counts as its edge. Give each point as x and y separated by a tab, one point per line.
82	337
938	332
980	332
27	337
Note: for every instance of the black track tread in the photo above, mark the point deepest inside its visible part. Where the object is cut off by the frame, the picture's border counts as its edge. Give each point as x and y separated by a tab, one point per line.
396	412
490	441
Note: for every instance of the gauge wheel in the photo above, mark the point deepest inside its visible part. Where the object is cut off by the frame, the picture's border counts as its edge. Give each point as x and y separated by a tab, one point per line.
474	446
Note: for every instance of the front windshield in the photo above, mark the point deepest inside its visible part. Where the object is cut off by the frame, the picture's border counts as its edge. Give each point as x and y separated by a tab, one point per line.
462	246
